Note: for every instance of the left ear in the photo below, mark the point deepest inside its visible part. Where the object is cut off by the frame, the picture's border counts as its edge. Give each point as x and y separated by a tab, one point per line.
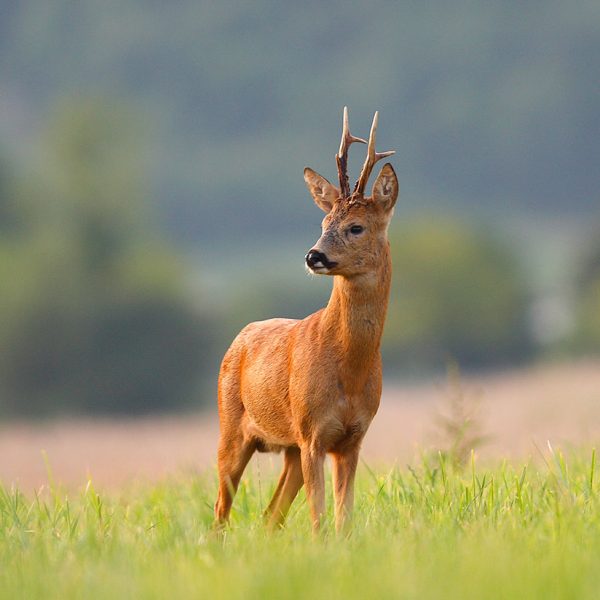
385	188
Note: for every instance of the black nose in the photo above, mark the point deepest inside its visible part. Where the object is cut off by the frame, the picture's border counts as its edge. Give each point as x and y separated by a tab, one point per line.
314	257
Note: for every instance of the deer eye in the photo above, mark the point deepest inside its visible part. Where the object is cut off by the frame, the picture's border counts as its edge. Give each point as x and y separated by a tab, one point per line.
356	229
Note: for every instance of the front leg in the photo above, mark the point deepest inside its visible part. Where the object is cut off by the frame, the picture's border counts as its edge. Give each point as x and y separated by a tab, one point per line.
312	470
344	469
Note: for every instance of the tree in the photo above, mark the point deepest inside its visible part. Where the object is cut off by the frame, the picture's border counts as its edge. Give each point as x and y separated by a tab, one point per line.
587	333
457	294
96	316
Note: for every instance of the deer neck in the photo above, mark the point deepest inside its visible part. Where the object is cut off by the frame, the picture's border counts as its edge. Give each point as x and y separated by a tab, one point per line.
354	320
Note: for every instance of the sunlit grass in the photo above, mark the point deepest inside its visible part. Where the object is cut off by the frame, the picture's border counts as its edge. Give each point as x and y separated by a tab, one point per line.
421	531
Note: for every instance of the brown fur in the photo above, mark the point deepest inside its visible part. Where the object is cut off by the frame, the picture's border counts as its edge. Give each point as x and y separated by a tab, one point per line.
312	386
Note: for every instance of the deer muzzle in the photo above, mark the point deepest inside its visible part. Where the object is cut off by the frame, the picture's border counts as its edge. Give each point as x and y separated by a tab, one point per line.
318	262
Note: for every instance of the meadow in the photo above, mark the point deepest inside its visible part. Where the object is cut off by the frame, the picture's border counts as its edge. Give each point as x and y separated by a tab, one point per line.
433	529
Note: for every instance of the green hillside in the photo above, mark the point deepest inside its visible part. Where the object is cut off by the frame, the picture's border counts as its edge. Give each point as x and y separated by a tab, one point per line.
492	107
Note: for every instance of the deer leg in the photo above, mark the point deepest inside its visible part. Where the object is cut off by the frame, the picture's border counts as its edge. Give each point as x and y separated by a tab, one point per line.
312	470
288	486
233	456
344	469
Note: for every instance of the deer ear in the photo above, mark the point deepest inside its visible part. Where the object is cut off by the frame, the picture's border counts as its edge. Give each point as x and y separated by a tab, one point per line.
385	188
324	193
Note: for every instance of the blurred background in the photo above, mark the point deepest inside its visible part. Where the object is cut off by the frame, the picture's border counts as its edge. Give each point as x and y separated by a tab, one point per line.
152	200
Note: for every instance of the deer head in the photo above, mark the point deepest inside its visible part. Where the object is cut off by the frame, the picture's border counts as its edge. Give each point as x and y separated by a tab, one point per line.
354	230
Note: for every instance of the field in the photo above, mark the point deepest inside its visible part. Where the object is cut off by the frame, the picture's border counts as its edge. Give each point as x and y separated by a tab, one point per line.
122	510
426	531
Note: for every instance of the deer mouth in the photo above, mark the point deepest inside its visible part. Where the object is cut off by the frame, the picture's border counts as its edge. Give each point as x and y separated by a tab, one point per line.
322	266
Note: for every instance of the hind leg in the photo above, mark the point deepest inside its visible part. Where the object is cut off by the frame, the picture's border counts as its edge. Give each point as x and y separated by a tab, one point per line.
233	457
289	485
235	448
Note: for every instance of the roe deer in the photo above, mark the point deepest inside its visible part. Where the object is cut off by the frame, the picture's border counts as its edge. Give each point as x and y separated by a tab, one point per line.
311	387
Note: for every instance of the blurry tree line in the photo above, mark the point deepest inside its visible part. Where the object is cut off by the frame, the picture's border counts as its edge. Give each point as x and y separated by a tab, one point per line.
461	294
587	332
99	314
94	313
492	108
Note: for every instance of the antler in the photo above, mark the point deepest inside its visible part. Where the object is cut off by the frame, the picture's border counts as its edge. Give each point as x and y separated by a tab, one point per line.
341	158
372	158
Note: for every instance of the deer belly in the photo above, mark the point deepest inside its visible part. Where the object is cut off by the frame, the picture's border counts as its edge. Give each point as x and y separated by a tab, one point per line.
265	399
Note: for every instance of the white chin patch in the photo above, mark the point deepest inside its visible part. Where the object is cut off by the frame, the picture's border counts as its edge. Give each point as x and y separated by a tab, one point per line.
318	269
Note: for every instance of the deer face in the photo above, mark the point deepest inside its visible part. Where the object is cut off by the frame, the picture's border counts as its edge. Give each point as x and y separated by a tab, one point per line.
355	228
354	231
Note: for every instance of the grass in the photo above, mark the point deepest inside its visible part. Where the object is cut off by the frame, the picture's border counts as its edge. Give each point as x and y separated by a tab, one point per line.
424	531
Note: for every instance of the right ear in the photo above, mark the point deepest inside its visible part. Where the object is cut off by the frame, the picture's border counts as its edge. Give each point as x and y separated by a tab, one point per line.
324	193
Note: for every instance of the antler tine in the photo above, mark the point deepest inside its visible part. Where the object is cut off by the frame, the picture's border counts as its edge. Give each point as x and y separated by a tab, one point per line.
341	158
372	158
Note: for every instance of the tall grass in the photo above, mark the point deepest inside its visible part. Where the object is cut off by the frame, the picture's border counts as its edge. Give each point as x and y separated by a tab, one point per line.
425	531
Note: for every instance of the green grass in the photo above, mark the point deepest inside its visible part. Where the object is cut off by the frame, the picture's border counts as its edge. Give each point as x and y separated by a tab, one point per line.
426	531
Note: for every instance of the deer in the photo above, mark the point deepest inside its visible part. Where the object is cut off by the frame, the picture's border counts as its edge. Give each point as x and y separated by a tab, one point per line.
311	387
